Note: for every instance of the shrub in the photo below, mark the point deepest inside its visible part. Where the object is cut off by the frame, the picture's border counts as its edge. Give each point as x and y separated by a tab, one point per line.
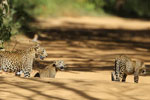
5	28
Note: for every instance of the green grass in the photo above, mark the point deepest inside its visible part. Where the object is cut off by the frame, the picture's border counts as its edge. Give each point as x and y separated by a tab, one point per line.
66	8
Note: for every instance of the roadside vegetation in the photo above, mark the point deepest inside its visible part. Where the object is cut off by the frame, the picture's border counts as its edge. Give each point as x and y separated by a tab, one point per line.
15	15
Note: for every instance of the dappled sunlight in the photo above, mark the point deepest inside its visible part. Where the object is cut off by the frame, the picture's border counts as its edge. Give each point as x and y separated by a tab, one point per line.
60	88
81	39
89	56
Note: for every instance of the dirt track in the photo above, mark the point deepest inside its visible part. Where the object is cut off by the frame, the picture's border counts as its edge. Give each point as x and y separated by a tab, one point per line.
88	46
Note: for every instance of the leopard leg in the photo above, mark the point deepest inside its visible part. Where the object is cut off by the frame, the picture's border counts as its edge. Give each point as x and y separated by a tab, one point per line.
136	77
113	76
26	74
27	71
18	73
124	77
117	70
5	69
0	69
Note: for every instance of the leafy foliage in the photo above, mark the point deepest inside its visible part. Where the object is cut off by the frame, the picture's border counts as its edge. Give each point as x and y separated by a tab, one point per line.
5	29
128	8
138	7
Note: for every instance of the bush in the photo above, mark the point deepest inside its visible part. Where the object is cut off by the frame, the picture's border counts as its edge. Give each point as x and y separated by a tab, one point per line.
5	28
14	17
21	14
138	7
128	8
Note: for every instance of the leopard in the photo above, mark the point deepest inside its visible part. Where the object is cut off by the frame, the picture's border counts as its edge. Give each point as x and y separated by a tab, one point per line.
48	70
21	61
126	66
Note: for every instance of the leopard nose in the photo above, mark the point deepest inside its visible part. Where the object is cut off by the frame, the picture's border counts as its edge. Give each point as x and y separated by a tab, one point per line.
61	67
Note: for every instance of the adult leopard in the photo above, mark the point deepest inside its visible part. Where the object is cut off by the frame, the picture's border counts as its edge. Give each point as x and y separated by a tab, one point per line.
125	66
21	61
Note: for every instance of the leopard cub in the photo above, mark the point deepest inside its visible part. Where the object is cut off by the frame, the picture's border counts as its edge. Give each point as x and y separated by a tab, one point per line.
48	70
125	66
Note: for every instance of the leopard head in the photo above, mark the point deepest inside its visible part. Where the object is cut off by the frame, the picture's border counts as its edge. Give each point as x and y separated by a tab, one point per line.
40	52
59	65
142	68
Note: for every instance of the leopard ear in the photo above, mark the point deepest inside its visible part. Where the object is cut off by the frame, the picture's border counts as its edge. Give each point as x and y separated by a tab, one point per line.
36	47
36	43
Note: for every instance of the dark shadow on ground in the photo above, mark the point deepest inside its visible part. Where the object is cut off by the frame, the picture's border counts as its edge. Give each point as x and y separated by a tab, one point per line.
36	92
120	38
34	86
101	68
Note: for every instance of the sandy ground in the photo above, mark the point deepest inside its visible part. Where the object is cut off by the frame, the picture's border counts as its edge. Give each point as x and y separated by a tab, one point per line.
88	45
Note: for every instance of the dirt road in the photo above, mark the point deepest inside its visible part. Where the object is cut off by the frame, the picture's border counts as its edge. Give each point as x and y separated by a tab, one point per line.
88	45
